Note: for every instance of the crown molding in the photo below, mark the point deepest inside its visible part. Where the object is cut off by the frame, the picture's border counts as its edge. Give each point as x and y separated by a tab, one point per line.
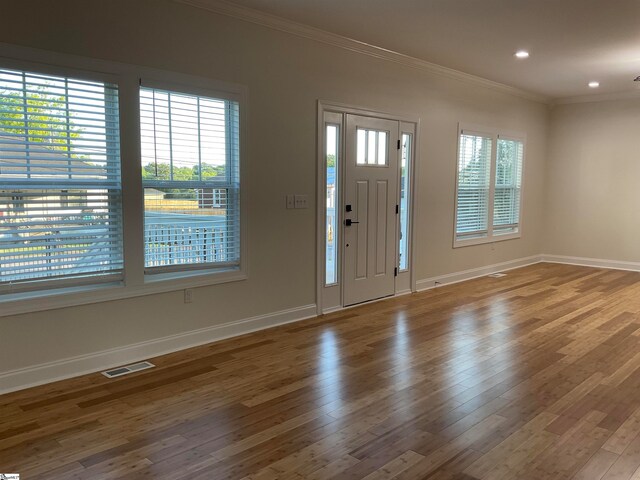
602	97
294	28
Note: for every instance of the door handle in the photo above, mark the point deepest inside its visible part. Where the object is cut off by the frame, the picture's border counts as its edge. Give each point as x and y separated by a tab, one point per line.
348	222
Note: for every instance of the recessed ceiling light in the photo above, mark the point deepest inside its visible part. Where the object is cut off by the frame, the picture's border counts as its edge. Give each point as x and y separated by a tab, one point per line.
522	54
594	84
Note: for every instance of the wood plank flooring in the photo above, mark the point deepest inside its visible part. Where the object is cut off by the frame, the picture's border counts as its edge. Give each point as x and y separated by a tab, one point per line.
531	376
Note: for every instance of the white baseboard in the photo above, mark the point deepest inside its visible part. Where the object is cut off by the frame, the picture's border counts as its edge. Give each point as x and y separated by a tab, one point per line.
455	277
592	262
449	278
94	362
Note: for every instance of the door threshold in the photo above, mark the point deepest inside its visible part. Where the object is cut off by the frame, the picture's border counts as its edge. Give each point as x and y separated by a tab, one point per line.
366	302
373	300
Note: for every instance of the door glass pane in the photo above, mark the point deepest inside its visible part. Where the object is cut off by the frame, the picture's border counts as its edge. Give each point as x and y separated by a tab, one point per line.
361	148
371	148
405	163
382	148
331	232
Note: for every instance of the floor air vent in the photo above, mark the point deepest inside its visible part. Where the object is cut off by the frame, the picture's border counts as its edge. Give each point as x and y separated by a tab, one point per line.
134	367
497	275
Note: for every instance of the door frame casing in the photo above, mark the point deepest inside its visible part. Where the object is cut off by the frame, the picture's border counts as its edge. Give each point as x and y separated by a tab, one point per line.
331	298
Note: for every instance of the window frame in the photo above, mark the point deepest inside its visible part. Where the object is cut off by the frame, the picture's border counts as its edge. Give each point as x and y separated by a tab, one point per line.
128	79
44	286
495	134
174	271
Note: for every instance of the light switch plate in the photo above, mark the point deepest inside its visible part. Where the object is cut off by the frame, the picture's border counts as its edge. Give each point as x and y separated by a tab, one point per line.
291	201
301	201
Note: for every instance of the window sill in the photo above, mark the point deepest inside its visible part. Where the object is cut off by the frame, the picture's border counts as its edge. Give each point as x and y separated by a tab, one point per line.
15	304
193	278
482	240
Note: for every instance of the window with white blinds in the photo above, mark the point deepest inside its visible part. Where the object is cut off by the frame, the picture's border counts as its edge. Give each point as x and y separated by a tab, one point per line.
474	175
60	190
506	204
489	183
191	180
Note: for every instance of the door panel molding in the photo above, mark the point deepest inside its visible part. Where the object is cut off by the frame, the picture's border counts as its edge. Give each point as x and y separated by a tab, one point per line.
382	207
361	228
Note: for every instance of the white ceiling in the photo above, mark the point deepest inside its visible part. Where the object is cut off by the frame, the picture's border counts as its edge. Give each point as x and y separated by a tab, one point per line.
571	42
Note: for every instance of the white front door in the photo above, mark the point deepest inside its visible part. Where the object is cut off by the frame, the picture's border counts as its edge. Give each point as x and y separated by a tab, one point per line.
370	209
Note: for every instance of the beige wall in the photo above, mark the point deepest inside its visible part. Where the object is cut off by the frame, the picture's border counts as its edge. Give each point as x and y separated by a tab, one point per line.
285	76
593	181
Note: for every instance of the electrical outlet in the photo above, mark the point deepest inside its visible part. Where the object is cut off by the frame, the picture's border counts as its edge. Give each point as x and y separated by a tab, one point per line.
291	201
301	201
188	295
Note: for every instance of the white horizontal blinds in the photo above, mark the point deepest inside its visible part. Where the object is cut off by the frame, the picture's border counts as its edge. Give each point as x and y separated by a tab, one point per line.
474	172
506	210
60	191
190	170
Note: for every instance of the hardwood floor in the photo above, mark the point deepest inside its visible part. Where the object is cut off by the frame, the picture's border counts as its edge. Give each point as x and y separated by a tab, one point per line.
535	375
